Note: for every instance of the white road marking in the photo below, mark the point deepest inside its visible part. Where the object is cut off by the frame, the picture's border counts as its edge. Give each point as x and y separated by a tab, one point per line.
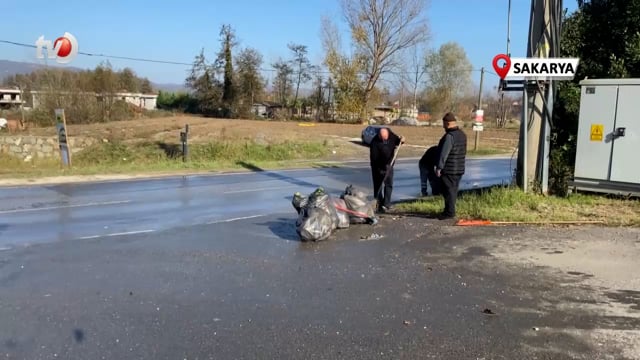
65	206
258	189
235	219
116	234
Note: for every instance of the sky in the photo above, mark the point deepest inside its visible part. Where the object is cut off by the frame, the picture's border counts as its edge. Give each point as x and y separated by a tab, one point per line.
178	30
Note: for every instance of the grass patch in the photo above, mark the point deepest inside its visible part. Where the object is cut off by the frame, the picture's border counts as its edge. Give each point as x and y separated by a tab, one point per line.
511	204
118	158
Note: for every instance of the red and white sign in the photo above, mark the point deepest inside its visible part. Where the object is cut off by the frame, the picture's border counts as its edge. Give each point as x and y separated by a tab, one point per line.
535	68
478	122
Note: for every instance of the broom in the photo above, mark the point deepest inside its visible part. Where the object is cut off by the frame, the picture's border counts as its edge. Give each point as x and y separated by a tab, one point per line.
393	160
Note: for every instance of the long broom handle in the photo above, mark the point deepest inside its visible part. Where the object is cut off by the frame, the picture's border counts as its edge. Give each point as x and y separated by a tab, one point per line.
393	160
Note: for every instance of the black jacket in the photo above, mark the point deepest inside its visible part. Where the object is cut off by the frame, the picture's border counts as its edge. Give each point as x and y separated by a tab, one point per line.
453	151
381	153
430	158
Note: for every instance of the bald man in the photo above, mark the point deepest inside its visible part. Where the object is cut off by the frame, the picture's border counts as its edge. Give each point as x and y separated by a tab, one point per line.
381	153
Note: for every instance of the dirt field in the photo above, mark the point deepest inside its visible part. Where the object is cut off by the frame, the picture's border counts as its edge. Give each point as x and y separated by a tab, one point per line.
210	129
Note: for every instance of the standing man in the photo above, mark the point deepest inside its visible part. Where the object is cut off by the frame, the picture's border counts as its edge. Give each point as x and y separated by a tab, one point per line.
451	163
381	153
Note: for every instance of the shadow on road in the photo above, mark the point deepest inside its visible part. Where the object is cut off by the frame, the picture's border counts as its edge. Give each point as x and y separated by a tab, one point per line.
283	228
358	142
274	175
3	227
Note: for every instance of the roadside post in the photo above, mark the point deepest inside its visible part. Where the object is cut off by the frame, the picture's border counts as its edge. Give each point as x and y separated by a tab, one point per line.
63	139
478	122
184	135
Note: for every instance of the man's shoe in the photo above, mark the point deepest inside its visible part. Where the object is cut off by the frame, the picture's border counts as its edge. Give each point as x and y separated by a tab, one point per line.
385	209
446	217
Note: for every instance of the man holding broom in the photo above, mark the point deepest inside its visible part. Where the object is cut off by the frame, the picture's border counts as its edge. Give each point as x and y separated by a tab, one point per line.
382	153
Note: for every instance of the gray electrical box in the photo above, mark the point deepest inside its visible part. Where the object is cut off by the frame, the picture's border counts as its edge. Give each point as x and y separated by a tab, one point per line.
608	144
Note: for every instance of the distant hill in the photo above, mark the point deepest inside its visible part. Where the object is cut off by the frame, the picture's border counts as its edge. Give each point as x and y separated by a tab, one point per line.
10	68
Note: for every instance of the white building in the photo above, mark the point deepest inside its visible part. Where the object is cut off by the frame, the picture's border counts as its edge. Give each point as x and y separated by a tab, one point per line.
10	97
145	101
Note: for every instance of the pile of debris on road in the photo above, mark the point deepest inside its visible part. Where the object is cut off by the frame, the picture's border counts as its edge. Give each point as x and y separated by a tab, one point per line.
319	214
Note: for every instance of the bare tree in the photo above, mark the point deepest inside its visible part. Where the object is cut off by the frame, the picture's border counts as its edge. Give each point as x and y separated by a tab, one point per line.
416	72
381	29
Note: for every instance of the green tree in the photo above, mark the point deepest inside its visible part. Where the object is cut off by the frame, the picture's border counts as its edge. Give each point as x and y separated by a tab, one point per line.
449	76
347	82
283	83
301	66
228	41
250	83
206	88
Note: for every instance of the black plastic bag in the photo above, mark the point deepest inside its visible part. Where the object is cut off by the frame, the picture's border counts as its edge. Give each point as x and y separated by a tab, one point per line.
317	216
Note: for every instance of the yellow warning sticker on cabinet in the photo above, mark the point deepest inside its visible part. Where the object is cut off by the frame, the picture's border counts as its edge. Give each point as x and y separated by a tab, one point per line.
597	132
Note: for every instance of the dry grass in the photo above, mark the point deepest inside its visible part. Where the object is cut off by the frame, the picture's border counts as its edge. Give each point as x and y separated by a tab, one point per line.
205	130
270	143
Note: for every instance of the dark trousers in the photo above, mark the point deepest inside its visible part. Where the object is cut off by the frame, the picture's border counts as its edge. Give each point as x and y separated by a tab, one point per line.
428	178
450	184
378	175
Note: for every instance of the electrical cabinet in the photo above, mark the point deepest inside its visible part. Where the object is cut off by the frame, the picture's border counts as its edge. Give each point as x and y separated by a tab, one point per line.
608	143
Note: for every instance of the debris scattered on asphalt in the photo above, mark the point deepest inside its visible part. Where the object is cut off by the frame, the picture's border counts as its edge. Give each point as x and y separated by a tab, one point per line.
536	328
430	268
373	236
488	312
406	322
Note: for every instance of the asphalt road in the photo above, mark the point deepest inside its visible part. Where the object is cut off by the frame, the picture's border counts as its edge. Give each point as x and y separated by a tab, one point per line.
42	214
209	267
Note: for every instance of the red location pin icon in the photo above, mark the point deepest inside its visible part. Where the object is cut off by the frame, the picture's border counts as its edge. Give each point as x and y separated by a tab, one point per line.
502	71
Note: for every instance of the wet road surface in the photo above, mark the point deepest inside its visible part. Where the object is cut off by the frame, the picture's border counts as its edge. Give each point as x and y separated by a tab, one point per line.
209	267
248	290
40	214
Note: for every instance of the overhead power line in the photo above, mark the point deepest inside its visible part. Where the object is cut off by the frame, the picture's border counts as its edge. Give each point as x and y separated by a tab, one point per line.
324	72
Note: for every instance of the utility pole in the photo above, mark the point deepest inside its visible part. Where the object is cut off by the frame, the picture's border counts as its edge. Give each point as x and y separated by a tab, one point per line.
537	116
477	140
502	121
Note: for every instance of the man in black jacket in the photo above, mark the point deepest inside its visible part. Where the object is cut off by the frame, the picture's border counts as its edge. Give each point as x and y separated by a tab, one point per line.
381	153
451	163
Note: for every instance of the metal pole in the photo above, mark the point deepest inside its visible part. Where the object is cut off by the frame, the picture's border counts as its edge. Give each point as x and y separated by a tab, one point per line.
509	29
477	140
501	120
525	134
546	131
